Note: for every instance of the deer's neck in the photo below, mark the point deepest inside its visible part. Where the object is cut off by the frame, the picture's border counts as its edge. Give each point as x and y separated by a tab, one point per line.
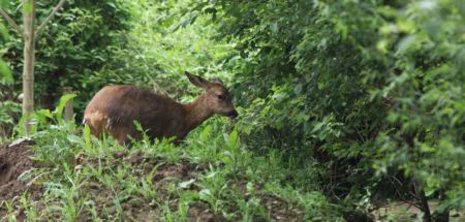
197	112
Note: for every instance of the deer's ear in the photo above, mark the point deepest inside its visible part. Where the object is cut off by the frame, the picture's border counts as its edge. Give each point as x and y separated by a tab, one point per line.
197	80
217	80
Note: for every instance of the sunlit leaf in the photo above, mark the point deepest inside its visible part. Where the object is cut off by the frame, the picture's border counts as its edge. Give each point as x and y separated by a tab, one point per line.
75	139
62	103
4	4
186	184
3	33
28	6
5	73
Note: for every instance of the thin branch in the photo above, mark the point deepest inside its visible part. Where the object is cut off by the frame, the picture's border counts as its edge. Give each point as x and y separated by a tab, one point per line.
50	16
11	22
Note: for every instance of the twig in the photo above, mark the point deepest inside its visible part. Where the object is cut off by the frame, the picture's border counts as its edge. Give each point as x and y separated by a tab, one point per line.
50	16
11	22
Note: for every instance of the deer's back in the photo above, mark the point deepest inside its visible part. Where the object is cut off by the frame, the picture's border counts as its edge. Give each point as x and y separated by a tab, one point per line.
116	108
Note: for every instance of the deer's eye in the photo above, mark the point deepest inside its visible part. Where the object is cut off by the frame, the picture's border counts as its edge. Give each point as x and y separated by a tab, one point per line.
221	97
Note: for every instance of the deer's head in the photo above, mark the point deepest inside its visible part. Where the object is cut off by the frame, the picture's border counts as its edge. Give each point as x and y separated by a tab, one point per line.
216	97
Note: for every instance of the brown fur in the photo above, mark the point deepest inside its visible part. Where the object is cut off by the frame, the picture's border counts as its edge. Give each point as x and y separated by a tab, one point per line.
114	109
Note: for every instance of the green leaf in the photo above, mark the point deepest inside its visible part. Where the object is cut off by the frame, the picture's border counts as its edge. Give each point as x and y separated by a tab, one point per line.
87	135
5	73
4	32
4	4
28	7
274	27
186	184
382	45
205	134
61	105
111	4
74	139
204	193
406	25
233	140
45	113
406	43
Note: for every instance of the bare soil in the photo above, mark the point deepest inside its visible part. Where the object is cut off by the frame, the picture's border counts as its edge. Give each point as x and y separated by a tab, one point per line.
136	207
407	212
15	161
281	210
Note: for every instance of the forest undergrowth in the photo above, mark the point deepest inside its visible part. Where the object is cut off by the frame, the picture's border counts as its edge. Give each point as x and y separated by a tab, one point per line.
348	111
61	175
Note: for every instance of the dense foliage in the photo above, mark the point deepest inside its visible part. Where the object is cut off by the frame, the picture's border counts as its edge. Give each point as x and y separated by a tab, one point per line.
78	42
356	102
371	89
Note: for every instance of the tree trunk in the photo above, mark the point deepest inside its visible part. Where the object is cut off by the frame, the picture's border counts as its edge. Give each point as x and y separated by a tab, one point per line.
29	60
423	201
444	216
68	112
417	186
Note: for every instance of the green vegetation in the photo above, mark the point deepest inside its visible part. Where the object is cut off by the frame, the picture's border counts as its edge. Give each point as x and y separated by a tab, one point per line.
345	107
214	176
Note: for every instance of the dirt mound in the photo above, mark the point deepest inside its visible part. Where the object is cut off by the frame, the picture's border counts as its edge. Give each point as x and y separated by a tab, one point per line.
135	207
14	161
281	210
161	185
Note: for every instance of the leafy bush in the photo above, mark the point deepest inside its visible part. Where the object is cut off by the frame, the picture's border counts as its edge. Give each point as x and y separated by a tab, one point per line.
80	40
9	109
9	114
370	89
362	98
83	177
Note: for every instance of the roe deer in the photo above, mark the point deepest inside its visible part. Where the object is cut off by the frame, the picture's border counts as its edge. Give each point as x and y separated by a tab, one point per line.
115	108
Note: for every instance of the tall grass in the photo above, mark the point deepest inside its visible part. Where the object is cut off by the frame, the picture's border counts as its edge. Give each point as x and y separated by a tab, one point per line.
98	179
